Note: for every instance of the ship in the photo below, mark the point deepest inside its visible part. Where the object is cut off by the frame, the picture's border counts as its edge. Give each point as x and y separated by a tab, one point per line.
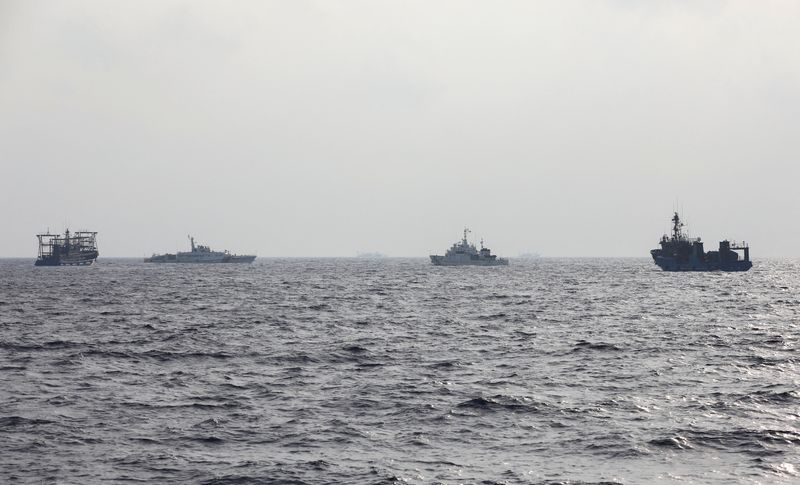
529	255
678	252
463	253
72	249
200	254
372	255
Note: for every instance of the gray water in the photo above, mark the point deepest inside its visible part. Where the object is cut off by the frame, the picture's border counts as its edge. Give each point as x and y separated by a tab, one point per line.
387	371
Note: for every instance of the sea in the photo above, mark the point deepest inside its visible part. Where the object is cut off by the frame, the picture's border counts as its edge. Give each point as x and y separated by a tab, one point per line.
385	371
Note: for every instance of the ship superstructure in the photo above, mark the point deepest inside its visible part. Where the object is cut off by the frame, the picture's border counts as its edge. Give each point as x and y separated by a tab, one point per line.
72	249
678	252
463	253
200	254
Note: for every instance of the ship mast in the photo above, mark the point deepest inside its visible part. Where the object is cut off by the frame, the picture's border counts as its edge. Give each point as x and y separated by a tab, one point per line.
676	227
464	241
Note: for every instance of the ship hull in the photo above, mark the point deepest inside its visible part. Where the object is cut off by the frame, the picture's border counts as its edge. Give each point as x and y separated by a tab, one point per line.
241	259
443	261
672	264
175	259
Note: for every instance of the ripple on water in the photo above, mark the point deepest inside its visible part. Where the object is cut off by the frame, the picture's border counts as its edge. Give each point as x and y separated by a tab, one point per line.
395	371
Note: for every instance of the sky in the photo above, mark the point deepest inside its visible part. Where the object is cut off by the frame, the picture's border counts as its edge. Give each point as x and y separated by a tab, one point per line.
328	128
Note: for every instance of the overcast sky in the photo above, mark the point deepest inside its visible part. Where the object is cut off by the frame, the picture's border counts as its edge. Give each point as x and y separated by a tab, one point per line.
325	128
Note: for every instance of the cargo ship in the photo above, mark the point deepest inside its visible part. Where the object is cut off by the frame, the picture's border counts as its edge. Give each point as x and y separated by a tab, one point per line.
678	252
71	249
465	254
200	254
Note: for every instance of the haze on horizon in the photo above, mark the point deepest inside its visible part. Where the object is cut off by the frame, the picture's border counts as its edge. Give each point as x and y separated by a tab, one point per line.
325	128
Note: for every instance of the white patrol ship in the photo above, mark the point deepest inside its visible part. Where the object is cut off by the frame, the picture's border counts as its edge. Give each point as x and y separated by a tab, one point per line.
465	254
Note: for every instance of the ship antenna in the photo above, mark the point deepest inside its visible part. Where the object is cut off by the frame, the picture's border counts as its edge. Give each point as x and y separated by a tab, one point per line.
676	226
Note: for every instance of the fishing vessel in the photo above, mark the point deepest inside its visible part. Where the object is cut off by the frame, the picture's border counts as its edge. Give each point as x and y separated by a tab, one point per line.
679	252
200	254
72	249
463	253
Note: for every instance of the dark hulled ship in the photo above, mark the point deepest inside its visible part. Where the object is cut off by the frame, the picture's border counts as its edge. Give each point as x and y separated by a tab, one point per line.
200	254
71	249
681	253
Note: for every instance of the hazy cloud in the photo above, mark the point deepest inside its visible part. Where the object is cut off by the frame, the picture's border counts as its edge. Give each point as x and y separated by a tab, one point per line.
325	127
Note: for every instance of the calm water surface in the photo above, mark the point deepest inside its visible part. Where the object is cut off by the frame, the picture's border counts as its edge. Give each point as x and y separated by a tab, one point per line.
387	371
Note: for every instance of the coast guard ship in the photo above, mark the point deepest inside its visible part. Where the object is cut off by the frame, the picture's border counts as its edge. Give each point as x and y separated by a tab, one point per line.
465	254
681	253
200	254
